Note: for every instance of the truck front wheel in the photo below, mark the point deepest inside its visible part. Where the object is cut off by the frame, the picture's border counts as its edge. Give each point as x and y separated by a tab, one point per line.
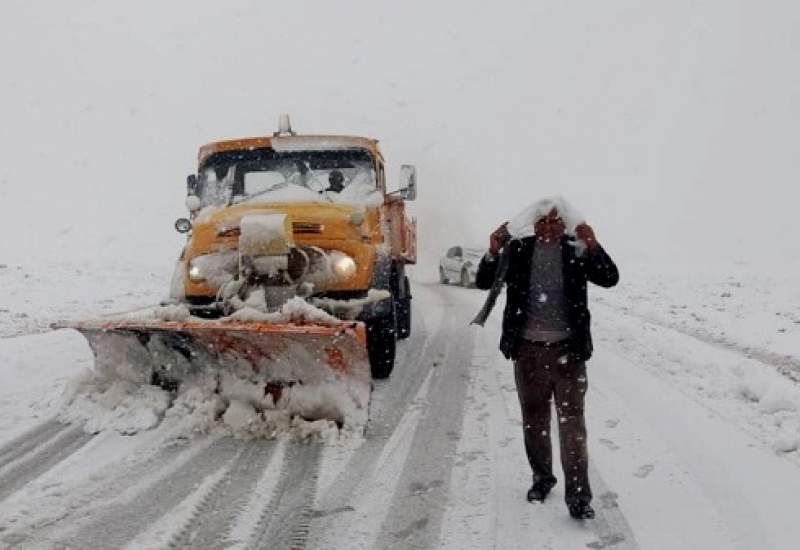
382	344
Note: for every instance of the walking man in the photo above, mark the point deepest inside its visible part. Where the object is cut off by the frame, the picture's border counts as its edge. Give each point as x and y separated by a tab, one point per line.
546	333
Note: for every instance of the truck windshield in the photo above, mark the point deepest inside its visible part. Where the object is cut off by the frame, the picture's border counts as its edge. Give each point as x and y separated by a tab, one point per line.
264	175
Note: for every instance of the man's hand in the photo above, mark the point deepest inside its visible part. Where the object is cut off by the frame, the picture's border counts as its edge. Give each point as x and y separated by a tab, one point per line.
498	239
585	233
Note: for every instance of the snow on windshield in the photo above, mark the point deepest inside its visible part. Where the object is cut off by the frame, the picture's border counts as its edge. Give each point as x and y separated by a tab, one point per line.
346	177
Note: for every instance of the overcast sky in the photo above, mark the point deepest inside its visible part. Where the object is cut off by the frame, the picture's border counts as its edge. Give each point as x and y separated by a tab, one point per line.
672	126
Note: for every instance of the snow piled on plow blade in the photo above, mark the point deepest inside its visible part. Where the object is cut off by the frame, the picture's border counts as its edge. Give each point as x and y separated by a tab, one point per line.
253	379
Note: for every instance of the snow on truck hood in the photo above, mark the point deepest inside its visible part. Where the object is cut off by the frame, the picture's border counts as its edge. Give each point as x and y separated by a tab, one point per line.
224	217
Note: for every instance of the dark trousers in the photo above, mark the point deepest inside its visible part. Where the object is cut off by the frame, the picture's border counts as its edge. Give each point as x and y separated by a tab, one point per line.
542	373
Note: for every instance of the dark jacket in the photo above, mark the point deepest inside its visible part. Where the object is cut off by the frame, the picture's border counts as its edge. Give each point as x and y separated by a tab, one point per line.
595	266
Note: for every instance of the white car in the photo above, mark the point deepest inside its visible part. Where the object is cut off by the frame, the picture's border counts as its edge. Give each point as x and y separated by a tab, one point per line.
460	264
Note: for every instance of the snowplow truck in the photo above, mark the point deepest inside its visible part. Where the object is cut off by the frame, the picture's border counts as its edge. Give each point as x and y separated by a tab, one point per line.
293	271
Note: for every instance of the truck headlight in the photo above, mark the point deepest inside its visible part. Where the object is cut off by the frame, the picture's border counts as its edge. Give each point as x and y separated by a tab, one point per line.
343	266
195	273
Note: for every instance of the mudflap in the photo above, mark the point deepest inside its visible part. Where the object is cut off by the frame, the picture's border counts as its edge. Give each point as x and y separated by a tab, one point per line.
285	360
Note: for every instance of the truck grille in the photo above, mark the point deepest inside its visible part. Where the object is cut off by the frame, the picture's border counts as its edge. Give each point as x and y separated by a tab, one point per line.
307	228
232	232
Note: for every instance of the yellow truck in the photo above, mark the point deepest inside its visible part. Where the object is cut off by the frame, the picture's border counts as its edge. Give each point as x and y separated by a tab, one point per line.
293	272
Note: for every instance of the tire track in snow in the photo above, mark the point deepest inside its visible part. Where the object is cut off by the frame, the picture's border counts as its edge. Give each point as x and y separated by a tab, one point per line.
285	520
472	476
37	327
473	523
391	399
84	498
371	500
29	440
120	522
50	447
354	515
171	526
211	521
415	514
251	512
391	396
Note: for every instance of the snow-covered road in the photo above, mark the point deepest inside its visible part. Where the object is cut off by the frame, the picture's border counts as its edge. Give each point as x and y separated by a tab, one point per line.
683	437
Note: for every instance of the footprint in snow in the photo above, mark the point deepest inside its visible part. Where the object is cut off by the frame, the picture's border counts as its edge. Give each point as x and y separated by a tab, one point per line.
644	471
612	422
418	487
607	541
608	500
609	444
413	527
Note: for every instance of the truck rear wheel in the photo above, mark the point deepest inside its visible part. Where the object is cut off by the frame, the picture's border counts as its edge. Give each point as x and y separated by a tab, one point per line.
382	344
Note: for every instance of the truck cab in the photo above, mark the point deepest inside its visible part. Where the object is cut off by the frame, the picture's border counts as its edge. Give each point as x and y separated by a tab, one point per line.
347	238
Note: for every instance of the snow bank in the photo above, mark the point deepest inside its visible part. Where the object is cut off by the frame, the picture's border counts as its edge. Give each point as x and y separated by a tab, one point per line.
104	404
788	438
772	394
222	403
778	399
240	416
232	405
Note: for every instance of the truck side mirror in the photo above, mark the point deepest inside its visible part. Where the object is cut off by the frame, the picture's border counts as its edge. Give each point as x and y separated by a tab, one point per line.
191	184
182	225
408	182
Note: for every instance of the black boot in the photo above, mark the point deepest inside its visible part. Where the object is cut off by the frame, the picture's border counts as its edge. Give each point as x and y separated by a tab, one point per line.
581	510
540	489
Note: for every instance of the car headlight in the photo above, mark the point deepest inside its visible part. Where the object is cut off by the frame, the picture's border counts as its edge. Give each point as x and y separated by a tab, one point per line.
195	273
343	266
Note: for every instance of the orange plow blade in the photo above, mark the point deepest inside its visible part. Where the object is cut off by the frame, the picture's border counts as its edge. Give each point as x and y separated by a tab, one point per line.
281	359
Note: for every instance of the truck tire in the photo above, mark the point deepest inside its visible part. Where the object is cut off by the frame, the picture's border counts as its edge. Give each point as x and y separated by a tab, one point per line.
403	308
442	277
382	344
